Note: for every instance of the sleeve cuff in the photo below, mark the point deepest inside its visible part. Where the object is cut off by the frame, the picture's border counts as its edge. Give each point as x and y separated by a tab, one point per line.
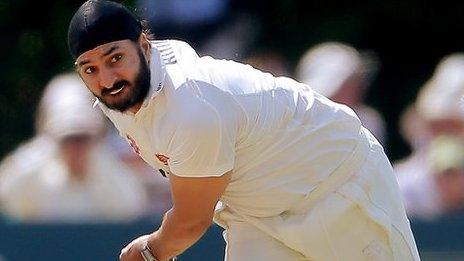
211	172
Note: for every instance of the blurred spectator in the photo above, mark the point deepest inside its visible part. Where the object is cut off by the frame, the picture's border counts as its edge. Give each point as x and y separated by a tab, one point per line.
67	173
440	100
413	128
183	19
446	156
439	190
233	40
209	25
429	190
162	13
269	61
340	72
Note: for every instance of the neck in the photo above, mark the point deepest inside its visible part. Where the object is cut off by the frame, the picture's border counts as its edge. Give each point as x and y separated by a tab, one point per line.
134	109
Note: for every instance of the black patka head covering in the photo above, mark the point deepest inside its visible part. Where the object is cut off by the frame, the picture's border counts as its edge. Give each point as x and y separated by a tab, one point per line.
98	22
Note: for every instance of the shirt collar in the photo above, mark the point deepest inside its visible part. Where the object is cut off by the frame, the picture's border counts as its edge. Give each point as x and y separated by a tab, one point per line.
157	73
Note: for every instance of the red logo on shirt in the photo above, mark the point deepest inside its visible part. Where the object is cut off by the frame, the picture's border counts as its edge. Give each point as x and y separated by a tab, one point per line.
133	144
162	158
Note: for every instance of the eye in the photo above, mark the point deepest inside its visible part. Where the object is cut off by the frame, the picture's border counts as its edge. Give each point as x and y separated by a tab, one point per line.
116	58
89	70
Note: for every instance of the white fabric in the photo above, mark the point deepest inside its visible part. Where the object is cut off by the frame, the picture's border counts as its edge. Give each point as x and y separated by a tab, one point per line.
353	237
244	242
361	219
280	139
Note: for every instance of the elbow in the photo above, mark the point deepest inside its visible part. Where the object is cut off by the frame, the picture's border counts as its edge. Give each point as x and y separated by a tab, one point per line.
193	226
197	227
205	224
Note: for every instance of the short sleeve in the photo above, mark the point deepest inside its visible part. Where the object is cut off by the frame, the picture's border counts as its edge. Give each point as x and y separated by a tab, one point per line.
203	144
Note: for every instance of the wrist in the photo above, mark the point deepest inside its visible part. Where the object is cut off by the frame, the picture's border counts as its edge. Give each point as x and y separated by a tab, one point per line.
149	253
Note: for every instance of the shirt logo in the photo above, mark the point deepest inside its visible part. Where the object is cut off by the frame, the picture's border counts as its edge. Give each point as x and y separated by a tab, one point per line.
133	144
163	159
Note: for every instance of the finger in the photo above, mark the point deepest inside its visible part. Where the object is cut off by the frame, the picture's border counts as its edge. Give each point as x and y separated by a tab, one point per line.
124	252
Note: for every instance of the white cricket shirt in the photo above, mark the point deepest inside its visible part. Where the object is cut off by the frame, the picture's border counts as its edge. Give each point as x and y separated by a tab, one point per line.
205	117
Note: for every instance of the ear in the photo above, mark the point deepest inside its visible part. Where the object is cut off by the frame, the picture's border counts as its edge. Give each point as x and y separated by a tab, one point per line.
144	44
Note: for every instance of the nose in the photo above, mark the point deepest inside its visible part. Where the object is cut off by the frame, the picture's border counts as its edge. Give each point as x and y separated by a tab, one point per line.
107	78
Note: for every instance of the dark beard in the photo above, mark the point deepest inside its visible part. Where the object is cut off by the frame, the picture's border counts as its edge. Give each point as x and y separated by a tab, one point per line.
138	92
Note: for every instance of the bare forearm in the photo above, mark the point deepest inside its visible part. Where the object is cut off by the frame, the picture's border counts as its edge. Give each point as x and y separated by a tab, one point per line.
176	234
192	213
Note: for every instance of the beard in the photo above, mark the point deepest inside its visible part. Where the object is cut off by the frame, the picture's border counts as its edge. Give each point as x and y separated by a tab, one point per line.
132	94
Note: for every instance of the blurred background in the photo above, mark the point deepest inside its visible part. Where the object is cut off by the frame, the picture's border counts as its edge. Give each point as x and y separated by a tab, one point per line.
68	178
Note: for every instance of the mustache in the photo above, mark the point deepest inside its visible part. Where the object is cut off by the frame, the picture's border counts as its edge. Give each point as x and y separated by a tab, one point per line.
116	85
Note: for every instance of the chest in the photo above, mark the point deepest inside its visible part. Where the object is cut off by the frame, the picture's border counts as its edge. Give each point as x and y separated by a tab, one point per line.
142	136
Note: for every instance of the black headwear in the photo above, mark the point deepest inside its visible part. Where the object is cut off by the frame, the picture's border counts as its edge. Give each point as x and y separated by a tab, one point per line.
98	22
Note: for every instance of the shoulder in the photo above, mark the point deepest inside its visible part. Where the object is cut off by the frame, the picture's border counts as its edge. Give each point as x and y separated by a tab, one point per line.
193	107
199	110
177	47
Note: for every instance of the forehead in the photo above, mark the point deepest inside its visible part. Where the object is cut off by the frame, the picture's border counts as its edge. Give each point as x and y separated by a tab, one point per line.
102	50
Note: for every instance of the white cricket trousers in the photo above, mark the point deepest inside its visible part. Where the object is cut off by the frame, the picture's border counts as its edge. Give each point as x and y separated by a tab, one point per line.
352	217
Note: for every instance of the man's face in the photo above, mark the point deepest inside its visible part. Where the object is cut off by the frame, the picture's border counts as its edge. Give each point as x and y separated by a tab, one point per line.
75	151
116	73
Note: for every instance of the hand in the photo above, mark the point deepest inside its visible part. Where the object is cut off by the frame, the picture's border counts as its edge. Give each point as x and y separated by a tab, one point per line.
131	252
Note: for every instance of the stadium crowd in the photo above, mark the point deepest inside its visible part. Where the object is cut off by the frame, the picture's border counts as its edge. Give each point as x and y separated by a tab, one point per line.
77	169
